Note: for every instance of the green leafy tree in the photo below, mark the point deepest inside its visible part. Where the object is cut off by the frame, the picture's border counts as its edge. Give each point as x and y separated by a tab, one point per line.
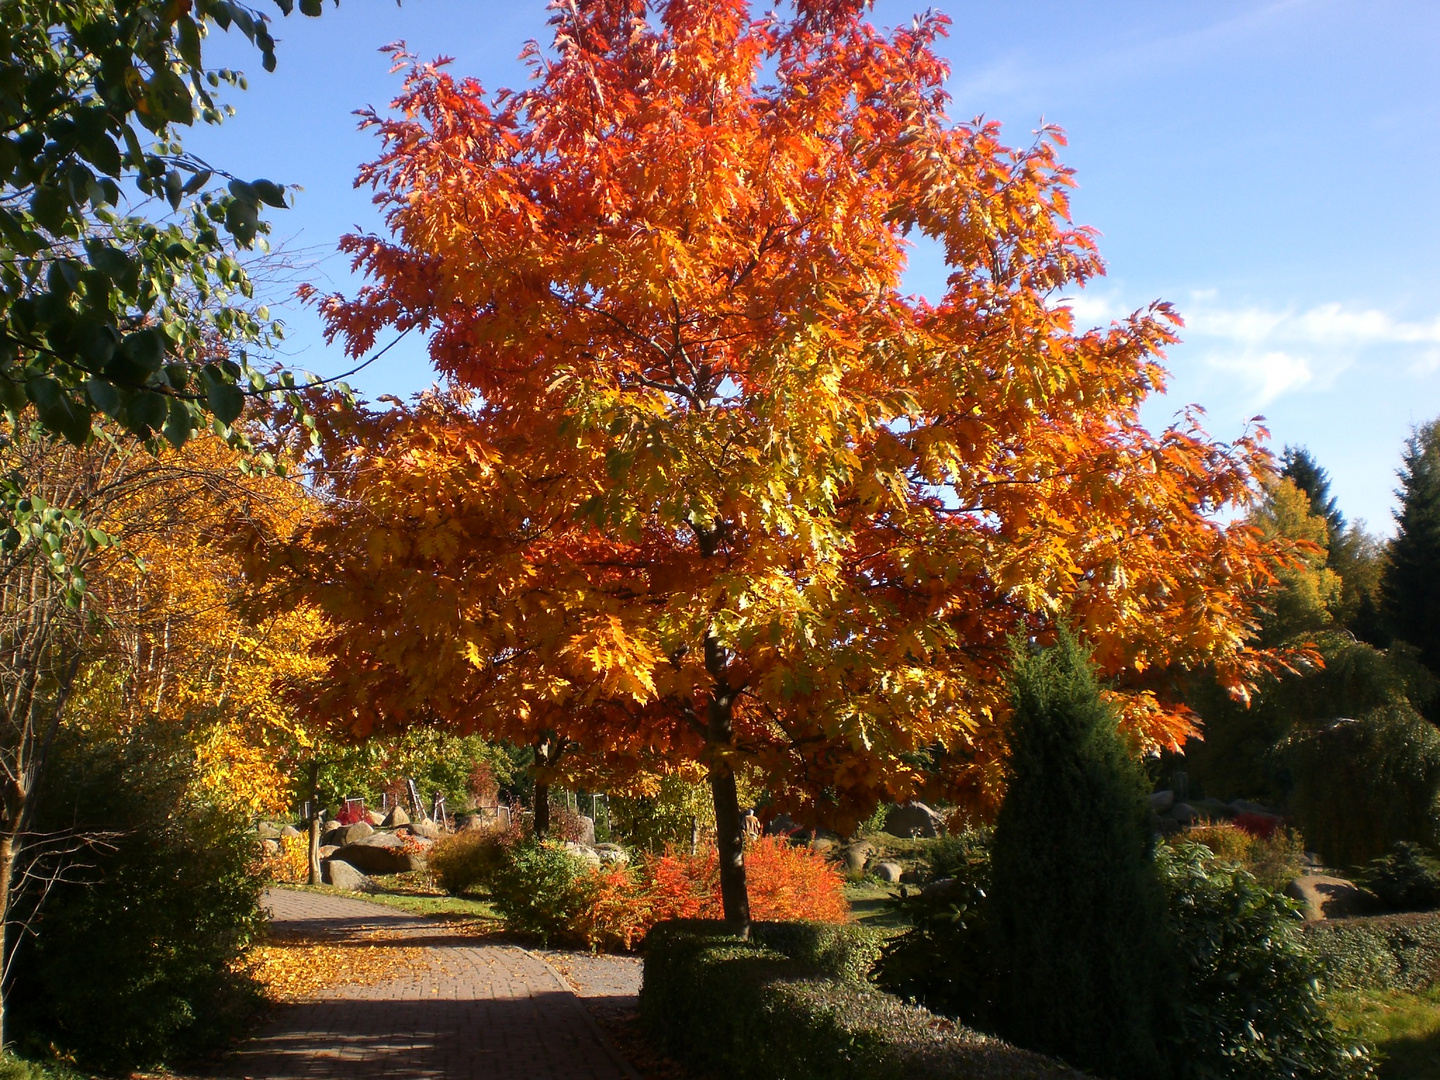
1076	904
1410	587
120	288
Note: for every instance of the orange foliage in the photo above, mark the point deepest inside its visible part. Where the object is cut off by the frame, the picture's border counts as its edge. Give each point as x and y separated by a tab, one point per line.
706	483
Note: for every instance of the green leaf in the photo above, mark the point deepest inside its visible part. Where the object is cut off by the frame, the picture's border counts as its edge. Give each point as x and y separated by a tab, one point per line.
242	219
140	355
270	193
169	97
145	413
104	395
177	424
225	399
59	411
312	8
188	36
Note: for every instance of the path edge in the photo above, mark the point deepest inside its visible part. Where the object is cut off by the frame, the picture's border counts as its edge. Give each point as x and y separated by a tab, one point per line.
600	1034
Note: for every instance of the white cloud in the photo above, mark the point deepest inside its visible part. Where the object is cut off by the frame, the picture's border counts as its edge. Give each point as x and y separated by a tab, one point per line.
1270	374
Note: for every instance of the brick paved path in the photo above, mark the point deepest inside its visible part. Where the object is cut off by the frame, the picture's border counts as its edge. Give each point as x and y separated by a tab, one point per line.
477	1010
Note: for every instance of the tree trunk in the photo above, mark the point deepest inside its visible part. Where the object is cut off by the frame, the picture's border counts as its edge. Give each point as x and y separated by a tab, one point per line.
312	826
730	838
8	853
542	810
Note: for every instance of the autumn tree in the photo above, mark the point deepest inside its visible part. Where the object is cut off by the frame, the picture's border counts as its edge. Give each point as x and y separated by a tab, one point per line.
712	486
151	632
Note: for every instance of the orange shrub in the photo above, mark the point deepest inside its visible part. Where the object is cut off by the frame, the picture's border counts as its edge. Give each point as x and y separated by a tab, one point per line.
790	882
618	912
291	865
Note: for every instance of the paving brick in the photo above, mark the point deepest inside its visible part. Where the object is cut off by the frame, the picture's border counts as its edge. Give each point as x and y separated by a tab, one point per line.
473	1010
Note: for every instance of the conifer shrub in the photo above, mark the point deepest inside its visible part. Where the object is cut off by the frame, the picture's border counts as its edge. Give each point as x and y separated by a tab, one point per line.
1077	912
1405	878
1361	785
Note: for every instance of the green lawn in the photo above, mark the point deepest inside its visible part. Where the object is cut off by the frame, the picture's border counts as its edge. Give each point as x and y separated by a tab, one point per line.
1403	1029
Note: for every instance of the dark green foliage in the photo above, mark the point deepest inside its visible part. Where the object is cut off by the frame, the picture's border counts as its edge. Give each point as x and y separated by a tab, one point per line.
784	1006
1404	878
537	888
132	961
1251	1008
1077	910
1410	588
1305	473
957	854
1360	785
943	961
1386	952
1237	757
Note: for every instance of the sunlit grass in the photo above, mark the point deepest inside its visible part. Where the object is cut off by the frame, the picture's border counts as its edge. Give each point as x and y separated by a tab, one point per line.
1402	1028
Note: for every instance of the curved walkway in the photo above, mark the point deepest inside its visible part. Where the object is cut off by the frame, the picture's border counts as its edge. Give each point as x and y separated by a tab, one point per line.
470	1010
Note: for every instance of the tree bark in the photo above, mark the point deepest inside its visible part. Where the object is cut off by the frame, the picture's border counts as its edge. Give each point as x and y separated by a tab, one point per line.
8	852
730	838
542	810
313	825
729	829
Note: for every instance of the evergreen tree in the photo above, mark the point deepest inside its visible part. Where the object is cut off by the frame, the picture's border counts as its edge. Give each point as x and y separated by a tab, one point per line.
1410	587
1081	950
1305	473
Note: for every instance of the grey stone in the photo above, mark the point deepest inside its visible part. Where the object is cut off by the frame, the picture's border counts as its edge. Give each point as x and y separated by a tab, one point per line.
426	828
1324	897
584	853
347	834
268	831
913	819
1213	809
326	850
888	872
289	831
396	817
587	831
269	848
374	817
342	875
1162	801
1184	813
381	853
824	845
612	854
857	855
942	889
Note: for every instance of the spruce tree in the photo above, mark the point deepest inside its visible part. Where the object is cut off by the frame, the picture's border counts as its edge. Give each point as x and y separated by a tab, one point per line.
1081	950
1305	473
1410	588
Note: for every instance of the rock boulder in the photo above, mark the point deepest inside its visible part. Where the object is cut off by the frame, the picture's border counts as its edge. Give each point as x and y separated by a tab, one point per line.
380	853
888	872
1326	897
396	817
344	876
347	834
913	819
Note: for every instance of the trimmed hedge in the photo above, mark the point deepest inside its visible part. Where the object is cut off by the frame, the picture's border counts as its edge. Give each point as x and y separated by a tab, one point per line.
1382	952
792	1003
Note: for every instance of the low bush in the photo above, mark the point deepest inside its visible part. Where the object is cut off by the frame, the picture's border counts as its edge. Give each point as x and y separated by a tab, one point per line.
291	865
1273	856
539	888
1250	1004
1385	952
1405	878
467	860
954	854
790	1003
136	956
942	961
542	889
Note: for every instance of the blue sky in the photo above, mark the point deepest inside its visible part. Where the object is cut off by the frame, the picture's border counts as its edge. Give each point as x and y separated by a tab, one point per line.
1269	167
